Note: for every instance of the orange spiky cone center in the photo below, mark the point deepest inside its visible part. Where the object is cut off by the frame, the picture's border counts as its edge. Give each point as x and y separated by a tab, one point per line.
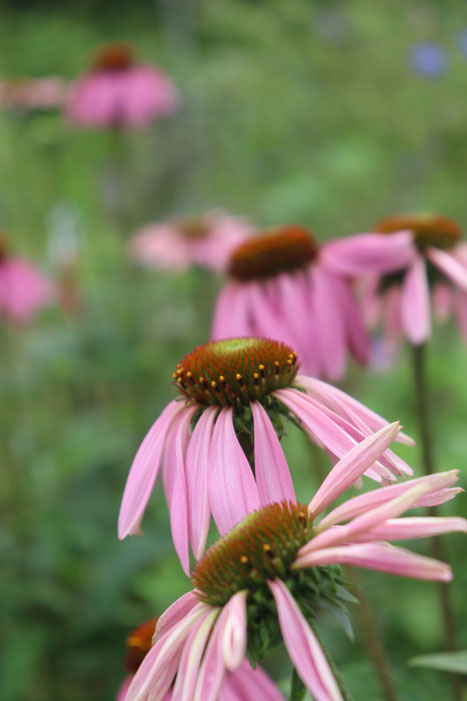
138	644
235	370
114	57
283	250
261	547
428	229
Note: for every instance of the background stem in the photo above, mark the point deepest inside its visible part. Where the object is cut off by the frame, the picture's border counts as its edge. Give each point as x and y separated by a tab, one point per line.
346	695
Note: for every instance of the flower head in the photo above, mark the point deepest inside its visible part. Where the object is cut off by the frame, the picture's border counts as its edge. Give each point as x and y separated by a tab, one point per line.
430	269
219	443
281	287
269	577
23	288
236	686
27	94
181	242
119	91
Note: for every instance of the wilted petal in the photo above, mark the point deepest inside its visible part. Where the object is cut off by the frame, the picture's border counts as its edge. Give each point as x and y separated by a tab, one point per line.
271	469
232	488
143	471
415	302
303	647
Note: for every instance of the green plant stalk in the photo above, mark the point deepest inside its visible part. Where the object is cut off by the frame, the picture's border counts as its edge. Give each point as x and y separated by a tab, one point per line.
422	400
346	695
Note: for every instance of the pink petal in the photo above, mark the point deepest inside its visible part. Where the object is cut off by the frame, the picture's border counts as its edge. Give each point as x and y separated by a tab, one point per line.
231	316
368	254
122	692
143	471
193	651
443	301
303	647
415	527
330	323
247	683
271	469
357	336
174	614
232	489
212	669
159	667
380	557
361	503
415	302
234	631
197	468
352	466
267	320
449	265
393	327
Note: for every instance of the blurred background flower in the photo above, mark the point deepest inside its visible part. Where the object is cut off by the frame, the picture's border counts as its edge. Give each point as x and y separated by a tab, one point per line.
429	59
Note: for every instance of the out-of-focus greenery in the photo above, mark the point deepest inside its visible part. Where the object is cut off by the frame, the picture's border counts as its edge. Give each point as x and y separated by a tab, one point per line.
294	111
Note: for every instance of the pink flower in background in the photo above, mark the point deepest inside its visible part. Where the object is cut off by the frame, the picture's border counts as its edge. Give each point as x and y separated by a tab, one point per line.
120	92
236	396
242	685
180	243
32	94
427	267
241	580
23	288
280	287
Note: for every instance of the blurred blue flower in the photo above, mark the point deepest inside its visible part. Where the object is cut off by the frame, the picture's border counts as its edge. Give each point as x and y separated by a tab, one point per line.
429	59
463	42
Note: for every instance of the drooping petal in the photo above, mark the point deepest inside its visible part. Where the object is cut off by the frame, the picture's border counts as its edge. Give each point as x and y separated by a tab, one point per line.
369	254
392	318
271	469
357	336
231	316
143	471
352	466
330	324
212	669
193	651
416	527
266	318
232	488
449	265
303	647
234	631
246	684
174	614
158	669
381	557
197	476
443	299
415	303
363	502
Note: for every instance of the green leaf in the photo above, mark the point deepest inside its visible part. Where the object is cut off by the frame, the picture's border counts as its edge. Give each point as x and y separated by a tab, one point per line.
445	661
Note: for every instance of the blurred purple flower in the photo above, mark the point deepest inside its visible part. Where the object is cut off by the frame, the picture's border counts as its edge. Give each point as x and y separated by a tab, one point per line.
428	59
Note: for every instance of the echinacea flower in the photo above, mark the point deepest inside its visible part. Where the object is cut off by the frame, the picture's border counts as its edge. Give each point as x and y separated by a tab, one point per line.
428	267
27	94
118	91
23	288
236	395
182	242
281	287
243	684
268	578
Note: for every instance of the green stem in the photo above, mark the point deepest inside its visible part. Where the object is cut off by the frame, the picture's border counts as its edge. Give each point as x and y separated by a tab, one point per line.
422	400
346	695
297	687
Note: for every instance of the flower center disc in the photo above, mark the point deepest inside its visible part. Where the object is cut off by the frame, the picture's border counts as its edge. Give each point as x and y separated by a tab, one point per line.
428	229
235	370
261	547
138	644
286	249
192	227
2	247
113	57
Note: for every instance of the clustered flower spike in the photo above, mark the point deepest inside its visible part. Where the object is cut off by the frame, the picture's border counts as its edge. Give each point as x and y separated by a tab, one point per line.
236	397
182	242
284	285
118	91
268	578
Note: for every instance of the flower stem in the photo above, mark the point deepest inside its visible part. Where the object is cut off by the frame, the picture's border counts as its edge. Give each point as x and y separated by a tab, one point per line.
423	414
346	695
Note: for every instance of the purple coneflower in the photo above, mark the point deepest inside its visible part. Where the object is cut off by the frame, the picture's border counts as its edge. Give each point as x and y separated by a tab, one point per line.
182	242
268	577
120	92
23	288
243	684
283	285
27	94
429	266
236	396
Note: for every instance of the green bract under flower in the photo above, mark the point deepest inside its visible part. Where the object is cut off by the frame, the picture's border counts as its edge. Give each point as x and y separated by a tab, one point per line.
428	229
236	371
283	250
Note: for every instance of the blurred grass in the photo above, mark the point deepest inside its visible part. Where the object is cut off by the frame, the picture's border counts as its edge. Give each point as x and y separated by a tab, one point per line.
297	111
